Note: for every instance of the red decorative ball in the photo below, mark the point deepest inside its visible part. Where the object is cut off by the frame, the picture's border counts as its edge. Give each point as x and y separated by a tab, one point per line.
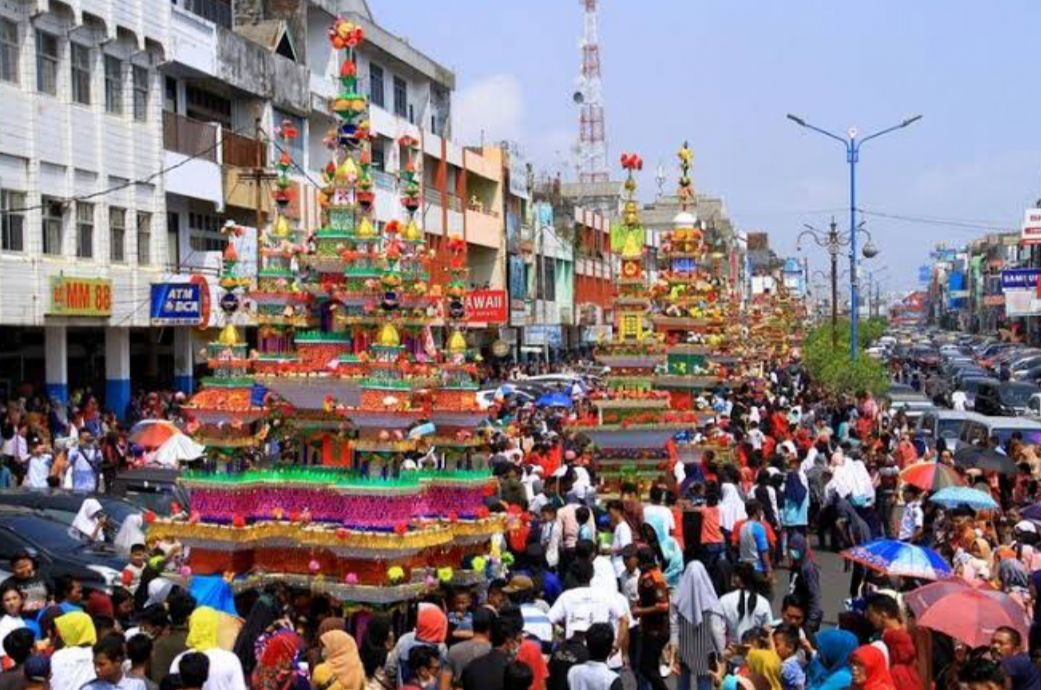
342	533
400	528
453	516
238	521
482	512
149	517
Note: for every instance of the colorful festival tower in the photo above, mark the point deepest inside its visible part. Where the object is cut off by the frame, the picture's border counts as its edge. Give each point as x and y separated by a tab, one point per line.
635	424
690	303
345	394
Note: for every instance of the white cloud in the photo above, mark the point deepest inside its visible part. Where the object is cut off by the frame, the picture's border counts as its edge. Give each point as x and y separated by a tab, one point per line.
493	106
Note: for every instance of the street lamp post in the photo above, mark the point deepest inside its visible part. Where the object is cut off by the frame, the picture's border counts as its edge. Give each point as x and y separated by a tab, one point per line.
852	145
832	242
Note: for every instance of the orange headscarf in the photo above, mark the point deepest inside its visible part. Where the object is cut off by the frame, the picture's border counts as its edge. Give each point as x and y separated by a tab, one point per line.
431	624
341	654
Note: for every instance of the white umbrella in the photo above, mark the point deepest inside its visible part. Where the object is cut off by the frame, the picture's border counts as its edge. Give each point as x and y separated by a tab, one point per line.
177	449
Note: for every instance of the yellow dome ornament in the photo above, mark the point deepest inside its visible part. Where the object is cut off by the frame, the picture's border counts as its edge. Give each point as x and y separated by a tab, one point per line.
389	336
229	336
365	230
412	232
281	227
457	343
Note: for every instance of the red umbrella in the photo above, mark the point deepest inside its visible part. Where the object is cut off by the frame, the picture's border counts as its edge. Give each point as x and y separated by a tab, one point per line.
931	476
965	613
152	433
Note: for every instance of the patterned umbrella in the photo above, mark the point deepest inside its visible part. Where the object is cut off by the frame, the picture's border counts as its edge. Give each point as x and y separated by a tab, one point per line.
894	557
954	496
930	476
965	613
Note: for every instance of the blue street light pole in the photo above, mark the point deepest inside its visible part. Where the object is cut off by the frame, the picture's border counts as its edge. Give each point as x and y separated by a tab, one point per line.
852	146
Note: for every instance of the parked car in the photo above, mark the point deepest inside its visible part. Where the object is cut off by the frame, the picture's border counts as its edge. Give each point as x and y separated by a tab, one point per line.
150	488
969	385
1008	398
58	553
912	403
62	506
945	424
486	398
978	430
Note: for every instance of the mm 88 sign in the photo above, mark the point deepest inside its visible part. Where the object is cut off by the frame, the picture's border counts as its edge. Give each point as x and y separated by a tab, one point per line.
80	296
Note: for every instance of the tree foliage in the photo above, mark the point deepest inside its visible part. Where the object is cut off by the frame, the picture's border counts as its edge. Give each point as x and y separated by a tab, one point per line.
831	368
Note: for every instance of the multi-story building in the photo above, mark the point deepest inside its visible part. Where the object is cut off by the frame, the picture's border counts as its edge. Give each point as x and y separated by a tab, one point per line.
135	130
81	194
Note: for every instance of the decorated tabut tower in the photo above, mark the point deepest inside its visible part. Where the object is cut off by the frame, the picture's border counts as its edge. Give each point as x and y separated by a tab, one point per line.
365	478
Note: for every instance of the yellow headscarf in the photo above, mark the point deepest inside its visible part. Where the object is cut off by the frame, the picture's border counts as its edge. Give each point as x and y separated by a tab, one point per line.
202	629
342	660
766	664
76	629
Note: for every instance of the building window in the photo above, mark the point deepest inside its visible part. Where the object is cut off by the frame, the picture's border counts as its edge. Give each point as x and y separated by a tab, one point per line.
549	279
117	234
84	230
140	93
376	85
12	205
204	233
173	240
46	63
80	59
400	97
113	85
378	160
8	51
208	107
52	225
144	238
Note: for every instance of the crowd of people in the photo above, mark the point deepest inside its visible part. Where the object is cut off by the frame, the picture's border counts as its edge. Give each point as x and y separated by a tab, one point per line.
706	573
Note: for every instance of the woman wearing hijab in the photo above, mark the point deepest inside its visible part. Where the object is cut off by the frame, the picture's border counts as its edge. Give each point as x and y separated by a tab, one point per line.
131	532
431	630
203	637
264	619
374	648
764	669
276	667
868	669
795	515
804	581
701	630
342	667
829	668
89	523
72	666
731	507
903	659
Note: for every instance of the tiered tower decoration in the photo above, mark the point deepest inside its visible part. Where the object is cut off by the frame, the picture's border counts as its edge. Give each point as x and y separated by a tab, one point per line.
634	425
690	299
348	376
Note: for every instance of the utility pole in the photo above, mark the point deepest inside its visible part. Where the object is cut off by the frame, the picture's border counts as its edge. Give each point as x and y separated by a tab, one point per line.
833	252
259	175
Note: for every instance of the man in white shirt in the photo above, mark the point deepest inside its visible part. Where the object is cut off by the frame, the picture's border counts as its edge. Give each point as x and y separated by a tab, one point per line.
577	609
622	534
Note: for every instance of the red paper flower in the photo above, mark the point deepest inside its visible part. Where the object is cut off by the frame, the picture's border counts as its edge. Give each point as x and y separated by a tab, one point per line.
294	516
453	516
400	528
149	517
342	533
482	512
238	521
348	69
631	161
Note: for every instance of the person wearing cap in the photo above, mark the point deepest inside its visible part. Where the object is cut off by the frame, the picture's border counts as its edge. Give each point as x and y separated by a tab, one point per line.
84	464
521	591
37	673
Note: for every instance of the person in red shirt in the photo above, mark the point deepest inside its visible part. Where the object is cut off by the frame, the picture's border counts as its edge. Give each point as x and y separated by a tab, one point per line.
905	452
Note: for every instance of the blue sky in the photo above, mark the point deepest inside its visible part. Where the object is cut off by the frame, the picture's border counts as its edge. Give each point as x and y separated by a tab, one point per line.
723	74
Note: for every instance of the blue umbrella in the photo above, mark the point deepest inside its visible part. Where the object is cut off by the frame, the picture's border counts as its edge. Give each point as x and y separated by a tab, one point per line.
954	496
893	557
557	399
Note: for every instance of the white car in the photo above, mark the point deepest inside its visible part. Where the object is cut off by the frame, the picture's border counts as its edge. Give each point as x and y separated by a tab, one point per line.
486	398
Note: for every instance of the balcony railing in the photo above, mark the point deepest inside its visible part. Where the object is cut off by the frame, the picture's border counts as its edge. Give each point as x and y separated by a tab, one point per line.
190	137
383	179
217	11
242	151
433	196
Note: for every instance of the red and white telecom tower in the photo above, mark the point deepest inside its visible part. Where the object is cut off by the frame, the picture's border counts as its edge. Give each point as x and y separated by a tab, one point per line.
591	149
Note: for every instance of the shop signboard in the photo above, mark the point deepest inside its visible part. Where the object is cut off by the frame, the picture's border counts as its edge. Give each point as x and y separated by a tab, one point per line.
71	296
180	304
487	306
